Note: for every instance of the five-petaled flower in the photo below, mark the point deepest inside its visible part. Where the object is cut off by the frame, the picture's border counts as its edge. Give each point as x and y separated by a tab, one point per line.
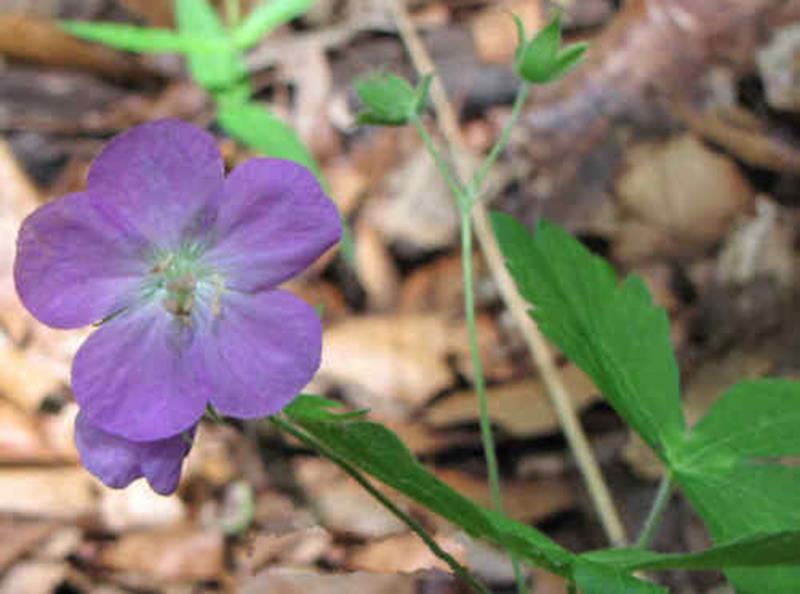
181	265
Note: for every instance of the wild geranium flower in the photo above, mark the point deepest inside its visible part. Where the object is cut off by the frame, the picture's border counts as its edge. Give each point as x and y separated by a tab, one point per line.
118	462
180	264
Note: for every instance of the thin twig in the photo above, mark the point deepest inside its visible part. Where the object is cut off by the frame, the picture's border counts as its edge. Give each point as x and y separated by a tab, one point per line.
556	390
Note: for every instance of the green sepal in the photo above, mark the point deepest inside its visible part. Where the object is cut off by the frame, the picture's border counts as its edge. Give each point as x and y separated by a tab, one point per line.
390	100
541	59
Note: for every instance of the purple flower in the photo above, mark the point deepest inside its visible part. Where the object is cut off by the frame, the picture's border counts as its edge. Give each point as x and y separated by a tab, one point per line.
118	462
180	264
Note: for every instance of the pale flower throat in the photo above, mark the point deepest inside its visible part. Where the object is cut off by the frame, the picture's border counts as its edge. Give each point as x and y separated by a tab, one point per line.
181	281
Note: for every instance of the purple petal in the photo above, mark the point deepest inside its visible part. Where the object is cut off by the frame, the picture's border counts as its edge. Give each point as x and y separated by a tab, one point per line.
162	178
140	376
263	349
118	462
73	266
274	221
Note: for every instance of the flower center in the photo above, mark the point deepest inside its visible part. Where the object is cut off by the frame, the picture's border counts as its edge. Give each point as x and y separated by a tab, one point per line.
181	280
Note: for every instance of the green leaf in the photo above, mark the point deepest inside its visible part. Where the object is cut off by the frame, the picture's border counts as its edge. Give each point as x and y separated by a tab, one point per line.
782	548
389	100
567	59
216	69
727	469
377	451
753	419
595	578
253	125
138	39
267	16
542	60
611	331
319	408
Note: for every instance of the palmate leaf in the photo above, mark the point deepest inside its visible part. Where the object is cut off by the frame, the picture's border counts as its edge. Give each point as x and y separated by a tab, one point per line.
596	578
756	551
729	470
216	69
727	465
611	331
377	451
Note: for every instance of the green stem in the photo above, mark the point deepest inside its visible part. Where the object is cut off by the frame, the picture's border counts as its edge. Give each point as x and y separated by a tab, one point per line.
444	169
413	524
479	381
653	520
232	13
480	176
477	366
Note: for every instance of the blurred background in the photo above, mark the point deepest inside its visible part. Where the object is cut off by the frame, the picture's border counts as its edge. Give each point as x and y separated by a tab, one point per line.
674	151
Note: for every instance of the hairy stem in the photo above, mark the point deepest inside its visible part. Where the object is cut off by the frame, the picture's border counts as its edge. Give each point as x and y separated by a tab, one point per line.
476	183
441	164
479	381
540	352
310	442
653	521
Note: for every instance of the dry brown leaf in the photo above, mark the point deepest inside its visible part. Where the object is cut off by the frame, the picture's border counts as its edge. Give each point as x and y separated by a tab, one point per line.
307	66
777	64
375	268
391	364
27	378
522	408
156	12
64	542
417	210
422	439
287	581
20	438
299	548
683	190
211	457
276	513
526	501
497	364
63	493
437	286
342	505
20	198
642	460
347	185
34	577
404	553
58	429
494	32
20	536
27	37
138	507
185	555
743	135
